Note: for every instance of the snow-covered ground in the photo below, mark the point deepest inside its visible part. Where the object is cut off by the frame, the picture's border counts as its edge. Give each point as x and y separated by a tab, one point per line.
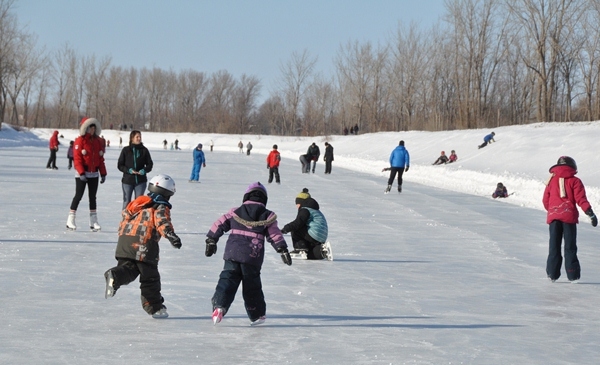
440	274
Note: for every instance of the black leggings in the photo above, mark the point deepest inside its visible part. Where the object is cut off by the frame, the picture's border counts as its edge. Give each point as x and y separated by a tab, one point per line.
393	171
92	184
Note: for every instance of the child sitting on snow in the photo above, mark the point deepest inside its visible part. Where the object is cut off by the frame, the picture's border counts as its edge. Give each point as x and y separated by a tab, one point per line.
309	230
442	159
500	192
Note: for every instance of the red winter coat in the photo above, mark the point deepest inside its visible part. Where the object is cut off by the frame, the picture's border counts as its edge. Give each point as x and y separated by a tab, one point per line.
562	192
273	159
88	154
53	144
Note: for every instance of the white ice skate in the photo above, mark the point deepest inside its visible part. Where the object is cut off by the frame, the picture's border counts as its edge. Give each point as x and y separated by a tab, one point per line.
94	226
162	313
71	222
326	248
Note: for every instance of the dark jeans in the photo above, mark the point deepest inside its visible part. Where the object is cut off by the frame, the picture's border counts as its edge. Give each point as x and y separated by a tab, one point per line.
70	162
558	232
128	190
314	165
301	240
92	184
393	172
327	167
127	270
274	171
52	160
232	275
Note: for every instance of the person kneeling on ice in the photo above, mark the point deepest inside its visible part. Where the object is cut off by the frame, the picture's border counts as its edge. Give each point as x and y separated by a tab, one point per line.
500	192
145	220
309	229
250	224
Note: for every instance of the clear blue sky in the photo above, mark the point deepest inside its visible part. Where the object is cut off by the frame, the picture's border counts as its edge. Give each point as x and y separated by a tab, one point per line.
250	37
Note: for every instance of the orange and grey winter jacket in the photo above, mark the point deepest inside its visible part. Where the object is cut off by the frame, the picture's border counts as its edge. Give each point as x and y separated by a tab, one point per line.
144	222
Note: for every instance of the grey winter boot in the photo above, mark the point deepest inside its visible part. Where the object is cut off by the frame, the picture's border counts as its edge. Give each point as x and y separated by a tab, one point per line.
71	221
94	226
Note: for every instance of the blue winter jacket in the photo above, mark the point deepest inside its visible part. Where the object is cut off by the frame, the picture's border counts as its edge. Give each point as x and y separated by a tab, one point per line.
198	157
317	225
488	138
399	157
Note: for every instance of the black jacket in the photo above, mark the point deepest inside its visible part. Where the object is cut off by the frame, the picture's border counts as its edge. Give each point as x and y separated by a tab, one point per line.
314	152
328	153
136	157
301	221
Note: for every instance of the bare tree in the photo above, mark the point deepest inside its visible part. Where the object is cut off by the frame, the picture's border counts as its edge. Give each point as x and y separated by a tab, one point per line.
244	102
294	79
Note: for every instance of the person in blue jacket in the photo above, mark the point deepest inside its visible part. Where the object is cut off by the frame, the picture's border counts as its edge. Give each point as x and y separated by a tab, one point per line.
487	139
399	162
199	162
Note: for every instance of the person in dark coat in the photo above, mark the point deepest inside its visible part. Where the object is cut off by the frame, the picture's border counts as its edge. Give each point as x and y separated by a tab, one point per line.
563	192
313	152
135	163
328	157
500	192
199	163
70	155
309	230
399	162
250	224
144	222
53	145
443	159
487	139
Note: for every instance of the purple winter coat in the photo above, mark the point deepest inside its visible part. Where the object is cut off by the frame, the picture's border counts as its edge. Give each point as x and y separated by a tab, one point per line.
250	224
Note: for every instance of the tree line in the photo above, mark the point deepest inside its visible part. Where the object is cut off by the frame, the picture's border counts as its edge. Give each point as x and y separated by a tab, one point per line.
486	63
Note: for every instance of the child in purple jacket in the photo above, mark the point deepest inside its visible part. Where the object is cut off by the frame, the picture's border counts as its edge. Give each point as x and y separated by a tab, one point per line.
250	224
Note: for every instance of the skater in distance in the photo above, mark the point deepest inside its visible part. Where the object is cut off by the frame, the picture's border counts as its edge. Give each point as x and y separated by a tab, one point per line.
399	162
487	139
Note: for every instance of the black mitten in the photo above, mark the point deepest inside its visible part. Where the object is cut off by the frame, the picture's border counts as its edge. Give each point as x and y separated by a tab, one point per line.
590	213
285	256
174	239
211	247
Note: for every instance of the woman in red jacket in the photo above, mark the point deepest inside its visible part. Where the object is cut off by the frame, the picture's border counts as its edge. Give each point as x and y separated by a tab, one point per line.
563	193
53	144
88	159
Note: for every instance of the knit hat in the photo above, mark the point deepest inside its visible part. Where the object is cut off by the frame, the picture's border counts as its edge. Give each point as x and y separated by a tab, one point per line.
302	196
86	123
256	192
199	146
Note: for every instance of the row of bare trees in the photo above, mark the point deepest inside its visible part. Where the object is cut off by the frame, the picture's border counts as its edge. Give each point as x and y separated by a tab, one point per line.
486	63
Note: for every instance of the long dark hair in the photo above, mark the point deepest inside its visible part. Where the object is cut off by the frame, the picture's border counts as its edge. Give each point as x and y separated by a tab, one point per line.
132	134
